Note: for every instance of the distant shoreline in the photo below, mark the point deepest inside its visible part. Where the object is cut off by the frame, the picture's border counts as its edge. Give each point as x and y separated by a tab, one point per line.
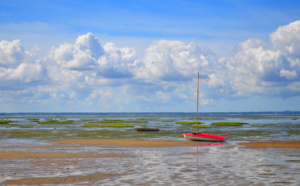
279	113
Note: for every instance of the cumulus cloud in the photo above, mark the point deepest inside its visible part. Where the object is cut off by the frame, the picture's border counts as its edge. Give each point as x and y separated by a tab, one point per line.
11	53
117	63
82	69
87	72
288	74
25	72
18	68
82	55
88	54
215	82
252	66
254	69
175	61
286	39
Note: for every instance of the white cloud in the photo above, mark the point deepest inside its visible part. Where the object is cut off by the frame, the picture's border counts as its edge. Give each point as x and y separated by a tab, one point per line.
175	61
25	72
116	63
18	68
99	96
205	102
11	53
80	71
88	54
287	39
288	74
256	70
215	82
82	55
87	72
252	67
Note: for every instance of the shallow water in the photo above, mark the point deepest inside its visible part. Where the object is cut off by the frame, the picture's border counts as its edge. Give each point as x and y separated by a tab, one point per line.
260	127
206	164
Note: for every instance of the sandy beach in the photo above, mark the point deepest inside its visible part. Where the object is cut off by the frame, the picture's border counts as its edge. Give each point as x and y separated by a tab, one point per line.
148	162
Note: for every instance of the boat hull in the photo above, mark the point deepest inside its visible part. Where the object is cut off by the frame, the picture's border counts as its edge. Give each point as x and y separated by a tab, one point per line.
204	137
145	129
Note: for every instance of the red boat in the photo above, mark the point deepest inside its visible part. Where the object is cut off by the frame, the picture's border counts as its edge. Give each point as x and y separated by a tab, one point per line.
201	136
204	137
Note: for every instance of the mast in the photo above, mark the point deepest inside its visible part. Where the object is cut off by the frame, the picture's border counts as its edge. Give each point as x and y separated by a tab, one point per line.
197	102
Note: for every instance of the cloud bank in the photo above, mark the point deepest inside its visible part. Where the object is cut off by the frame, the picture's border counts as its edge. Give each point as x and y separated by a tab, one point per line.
88	73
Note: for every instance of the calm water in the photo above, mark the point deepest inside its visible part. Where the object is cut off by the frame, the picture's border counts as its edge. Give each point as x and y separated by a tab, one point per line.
261	126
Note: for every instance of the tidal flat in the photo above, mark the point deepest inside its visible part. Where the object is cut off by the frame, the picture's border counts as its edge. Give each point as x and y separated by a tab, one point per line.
263	152
146	162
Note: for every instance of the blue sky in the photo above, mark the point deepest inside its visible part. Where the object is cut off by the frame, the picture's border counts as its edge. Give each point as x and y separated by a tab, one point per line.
143	56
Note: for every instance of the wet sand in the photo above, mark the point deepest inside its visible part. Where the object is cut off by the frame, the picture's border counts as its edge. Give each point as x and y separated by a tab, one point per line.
141	162
127	143
273	144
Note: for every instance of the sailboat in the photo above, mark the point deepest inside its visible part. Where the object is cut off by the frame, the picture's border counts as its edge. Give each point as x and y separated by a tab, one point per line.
201	136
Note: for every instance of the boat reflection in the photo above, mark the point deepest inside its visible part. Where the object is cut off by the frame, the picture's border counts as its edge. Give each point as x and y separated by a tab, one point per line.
210	145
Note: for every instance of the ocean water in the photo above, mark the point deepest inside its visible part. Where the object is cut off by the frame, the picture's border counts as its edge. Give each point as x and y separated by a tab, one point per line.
261	126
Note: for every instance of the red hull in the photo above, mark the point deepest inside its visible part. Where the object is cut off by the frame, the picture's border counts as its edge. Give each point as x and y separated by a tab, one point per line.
204	137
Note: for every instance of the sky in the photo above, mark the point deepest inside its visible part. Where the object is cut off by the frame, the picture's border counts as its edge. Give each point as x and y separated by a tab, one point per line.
144	56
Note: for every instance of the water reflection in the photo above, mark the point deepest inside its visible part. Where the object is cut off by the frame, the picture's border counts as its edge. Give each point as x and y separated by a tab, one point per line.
210	145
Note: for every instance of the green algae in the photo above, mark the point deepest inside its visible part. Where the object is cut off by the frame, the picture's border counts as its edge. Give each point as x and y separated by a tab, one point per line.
167	121
119	121
188	122
95	134
228	124
90	125
13	124
33	119
201	126
87	119
28	126
5	121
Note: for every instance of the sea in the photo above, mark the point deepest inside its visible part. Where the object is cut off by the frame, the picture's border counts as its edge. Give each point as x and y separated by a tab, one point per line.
258	126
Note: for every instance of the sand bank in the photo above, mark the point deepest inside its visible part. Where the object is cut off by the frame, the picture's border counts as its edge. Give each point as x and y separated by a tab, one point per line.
272	144
128	143
59	180
41	155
